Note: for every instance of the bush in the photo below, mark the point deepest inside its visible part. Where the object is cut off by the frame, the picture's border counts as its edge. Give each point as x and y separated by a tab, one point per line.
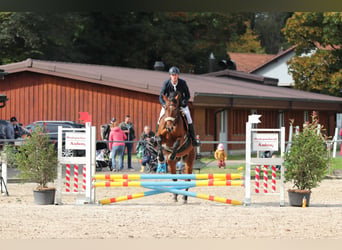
307	161
36	158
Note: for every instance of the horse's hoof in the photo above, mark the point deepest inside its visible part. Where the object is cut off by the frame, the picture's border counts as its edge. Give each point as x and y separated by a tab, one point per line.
175	198
185	202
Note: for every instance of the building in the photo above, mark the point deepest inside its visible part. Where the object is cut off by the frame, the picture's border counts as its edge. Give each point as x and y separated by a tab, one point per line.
220	101
266	65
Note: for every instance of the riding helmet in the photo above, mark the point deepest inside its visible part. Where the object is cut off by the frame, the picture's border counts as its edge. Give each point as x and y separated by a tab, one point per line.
173	70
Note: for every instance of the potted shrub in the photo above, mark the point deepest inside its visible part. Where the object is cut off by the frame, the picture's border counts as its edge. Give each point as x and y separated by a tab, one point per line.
36	160
307	161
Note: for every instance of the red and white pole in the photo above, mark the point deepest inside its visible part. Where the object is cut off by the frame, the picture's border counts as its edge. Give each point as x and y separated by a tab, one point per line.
257	177
265	178
273	178
84	177
67	177
75	178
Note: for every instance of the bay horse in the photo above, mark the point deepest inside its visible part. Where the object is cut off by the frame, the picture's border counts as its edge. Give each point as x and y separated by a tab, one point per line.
173	139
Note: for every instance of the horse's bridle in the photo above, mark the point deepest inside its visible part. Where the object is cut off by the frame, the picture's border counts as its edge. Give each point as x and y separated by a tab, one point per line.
170	118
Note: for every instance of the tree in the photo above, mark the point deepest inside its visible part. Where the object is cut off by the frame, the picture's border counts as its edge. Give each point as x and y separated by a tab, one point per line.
247	43
268	25
138	39
317	65
128	39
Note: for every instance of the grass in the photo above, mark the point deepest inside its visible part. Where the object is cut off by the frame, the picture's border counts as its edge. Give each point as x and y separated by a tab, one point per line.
336	163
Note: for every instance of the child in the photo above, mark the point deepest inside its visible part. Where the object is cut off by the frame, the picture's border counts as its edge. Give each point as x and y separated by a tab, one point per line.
220	156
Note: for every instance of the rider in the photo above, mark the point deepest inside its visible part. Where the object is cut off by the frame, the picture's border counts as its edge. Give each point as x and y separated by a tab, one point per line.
174	84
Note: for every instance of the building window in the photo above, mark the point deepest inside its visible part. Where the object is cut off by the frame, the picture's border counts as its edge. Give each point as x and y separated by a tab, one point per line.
238	122
209	122
281	119
306	116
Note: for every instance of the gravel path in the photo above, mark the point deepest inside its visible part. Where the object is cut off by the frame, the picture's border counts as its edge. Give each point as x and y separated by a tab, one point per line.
158	217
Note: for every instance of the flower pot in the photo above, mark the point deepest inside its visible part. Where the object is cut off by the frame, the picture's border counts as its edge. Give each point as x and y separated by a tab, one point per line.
296	197
44	196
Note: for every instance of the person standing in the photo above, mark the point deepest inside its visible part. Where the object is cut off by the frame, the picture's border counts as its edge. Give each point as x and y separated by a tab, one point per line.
145	137
174	84
106	129
221	156
12	130
128	128
117	145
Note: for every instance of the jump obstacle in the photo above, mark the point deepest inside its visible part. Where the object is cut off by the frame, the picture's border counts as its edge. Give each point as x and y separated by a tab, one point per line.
158	186
260	140
161	183
265	179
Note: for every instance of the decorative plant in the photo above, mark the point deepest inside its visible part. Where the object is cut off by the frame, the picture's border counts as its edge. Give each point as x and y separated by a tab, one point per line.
36	158
307	161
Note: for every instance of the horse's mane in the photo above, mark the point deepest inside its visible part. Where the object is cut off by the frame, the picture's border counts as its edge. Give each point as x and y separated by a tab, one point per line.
172	97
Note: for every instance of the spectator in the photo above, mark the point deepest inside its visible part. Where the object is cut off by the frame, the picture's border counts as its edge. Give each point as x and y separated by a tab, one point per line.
128	128
146	134
117	145
105	129
144	138
220	156
12	130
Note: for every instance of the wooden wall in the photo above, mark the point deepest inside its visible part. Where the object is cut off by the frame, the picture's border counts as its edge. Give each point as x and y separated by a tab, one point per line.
35	97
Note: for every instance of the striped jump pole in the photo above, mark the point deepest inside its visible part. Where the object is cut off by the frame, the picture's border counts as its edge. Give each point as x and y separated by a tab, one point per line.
257	178
131	196
188	184
200	196
128	197
67	178
75	178
84	177
265	179
168	176
274	178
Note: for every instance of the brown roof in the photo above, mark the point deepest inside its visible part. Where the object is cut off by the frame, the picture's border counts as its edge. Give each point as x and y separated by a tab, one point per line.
150	81
244	76
248	61
272	59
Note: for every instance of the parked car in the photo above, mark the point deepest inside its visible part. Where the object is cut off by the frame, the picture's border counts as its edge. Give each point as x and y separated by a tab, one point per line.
52	130
23	132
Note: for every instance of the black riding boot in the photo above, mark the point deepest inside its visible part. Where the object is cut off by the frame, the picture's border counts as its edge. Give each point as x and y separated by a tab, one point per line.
195	143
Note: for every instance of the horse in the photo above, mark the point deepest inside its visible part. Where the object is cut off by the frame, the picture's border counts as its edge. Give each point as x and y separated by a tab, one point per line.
173	138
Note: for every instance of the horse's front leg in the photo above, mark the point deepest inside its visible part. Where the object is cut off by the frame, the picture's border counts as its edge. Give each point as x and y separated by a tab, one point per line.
174	150
189	162
172	170
158	141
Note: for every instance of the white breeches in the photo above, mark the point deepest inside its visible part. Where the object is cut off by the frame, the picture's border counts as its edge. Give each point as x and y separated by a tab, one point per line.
185	110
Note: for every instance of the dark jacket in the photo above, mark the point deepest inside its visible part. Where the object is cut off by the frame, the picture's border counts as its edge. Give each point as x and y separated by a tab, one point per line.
10	131
144	136
130	127
105	131
182	88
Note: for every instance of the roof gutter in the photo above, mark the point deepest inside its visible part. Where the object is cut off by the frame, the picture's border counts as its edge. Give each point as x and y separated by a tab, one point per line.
267	97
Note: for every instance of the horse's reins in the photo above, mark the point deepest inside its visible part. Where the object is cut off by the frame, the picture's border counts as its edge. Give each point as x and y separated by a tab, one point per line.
170	118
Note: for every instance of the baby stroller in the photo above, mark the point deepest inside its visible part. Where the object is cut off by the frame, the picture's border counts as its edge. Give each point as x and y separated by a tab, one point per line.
102	156
146	149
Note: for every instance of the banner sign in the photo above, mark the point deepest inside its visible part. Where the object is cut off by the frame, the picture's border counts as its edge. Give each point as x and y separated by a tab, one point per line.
75	140
265	142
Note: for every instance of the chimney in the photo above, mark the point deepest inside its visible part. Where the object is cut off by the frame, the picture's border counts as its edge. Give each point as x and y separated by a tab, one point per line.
211	62
159	66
